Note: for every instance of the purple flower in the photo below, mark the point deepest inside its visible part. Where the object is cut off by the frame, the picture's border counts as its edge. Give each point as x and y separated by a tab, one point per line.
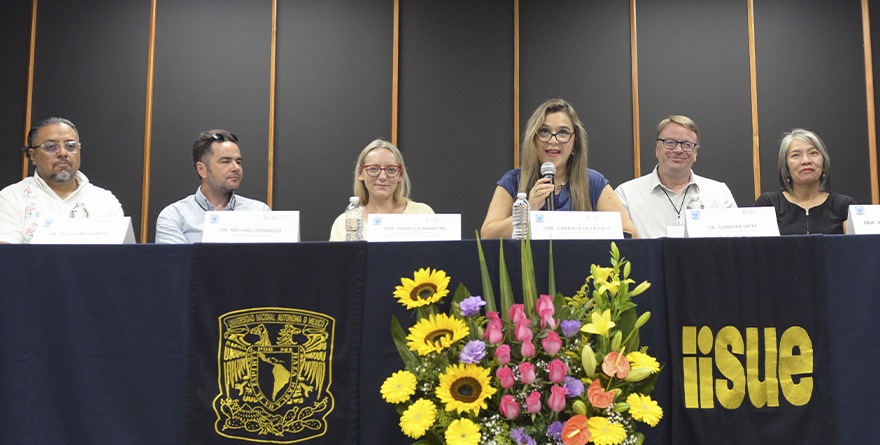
554	431
470	306
520	437
570	328
473	352
574	386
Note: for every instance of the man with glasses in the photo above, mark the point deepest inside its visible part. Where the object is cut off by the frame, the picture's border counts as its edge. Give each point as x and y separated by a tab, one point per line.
657	201
57	189
217	160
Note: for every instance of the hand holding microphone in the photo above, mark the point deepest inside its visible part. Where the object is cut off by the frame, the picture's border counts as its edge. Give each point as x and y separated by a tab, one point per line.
548	170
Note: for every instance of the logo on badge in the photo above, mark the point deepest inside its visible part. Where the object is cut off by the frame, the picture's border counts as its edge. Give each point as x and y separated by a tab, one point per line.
274	383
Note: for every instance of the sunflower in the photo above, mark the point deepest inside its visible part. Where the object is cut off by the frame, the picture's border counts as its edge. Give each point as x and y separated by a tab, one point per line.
435	333
465	388
605	432
644	409
399	387
427	287
415	421
462	432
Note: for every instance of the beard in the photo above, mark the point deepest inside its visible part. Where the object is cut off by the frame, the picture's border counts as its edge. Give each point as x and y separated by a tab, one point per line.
62	176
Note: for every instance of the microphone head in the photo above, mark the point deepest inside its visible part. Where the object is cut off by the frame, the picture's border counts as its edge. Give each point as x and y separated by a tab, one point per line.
548	168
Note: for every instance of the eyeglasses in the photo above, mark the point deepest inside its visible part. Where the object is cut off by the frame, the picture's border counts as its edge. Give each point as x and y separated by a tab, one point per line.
670	144
544	135
52	147
373	170
220	137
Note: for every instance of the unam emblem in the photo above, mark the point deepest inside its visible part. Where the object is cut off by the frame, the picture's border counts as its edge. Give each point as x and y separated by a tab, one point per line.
274	375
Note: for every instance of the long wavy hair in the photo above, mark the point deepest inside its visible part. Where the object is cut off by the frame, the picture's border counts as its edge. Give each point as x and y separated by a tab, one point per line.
576	165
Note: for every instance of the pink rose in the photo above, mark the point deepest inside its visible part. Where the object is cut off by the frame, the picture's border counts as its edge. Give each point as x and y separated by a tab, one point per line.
528	349
527	373
551	343
502	353
517	313
493	333
505	375
556	402
533	402
546	310
556	371
509	407
523	331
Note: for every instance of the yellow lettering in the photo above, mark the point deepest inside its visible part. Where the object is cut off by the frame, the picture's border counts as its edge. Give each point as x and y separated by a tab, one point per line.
732	390
689	365
704	341
793	364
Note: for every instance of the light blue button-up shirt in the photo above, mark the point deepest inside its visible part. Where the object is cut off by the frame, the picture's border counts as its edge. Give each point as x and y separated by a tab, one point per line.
182	222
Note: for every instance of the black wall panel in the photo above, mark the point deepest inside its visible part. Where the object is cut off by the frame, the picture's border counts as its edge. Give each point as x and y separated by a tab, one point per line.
456	103
15	25
694	60
91	67
580	51
874	13
811	74
333	98
212	71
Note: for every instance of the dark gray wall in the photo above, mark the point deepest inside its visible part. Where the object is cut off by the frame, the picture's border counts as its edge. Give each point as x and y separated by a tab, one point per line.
15	24
91	67
334	86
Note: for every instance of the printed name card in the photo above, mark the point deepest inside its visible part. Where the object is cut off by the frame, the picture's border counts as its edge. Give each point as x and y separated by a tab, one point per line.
576	225
413	227
744	221
863	220
84	231
251	227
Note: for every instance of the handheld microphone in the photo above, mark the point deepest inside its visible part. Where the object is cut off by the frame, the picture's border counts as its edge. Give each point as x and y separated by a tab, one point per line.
548	170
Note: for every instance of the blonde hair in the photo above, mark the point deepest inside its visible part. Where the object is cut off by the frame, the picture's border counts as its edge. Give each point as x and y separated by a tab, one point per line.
401	193
576	165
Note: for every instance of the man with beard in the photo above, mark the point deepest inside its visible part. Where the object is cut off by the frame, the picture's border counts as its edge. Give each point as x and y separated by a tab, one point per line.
217	160
57	189
659	199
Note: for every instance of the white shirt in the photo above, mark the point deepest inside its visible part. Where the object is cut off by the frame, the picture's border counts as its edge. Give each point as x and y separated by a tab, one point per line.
337	232
183	221
25	203
653	206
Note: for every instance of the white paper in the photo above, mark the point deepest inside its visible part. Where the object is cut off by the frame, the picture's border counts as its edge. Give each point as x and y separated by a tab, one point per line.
84	231
575	225
414	227
251	227
738	222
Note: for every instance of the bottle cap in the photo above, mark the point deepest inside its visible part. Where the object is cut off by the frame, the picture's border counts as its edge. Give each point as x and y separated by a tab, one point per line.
521	195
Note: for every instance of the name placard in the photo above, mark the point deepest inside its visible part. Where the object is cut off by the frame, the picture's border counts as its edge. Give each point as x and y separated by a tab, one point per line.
744	221
84	231
576	225
280	226
863	220
413	227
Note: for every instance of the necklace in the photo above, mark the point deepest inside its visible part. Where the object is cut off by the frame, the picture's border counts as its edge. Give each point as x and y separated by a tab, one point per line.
560	186
681	206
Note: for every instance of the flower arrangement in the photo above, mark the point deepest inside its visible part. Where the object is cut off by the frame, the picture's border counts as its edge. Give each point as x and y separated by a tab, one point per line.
552	370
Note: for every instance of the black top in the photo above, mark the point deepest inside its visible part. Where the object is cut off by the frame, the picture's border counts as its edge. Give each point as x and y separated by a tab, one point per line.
827	217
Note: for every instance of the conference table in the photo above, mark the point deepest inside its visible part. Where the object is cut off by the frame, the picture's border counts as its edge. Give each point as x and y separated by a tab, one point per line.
121	344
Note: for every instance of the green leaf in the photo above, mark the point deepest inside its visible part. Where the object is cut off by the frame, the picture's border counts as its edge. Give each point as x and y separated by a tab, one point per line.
488	293
647	386
529	287
409	358
505	288
460	294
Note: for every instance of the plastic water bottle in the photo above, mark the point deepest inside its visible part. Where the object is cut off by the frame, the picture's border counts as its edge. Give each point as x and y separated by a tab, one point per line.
695	202
354	220
79	211
521	216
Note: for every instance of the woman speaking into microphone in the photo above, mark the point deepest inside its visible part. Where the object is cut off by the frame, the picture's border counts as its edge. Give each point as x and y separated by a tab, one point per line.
553	134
